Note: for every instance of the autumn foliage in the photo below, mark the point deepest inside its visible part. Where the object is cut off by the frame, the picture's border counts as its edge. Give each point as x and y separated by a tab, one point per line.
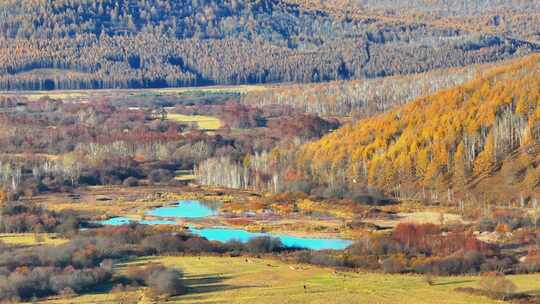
440	142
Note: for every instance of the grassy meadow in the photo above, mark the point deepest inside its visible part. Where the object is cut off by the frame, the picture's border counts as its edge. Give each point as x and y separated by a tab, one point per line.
240	280
208	123
75	95
30	239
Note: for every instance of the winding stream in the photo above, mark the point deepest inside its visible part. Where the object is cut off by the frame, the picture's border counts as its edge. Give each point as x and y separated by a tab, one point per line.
197	209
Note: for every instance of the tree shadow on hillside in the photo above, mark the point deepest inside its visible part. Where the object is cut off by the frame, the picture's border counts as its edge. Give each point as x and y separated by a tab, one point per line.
534	292
207	283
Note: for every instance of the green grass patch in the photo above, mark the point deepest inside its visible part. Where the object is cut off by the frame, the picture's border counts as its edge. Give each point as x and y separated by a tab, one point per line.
31	239
241	280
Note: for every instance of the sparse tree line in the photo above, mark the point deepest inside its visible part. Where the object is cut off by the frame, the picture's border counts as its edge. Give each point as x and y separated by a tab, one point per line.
359	98
182	43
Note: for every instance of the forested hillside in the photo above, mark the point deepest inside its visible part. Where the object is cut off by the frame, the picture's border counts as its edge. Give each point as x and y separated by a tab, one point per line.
442	7
449	142
508	17
159	43
451	146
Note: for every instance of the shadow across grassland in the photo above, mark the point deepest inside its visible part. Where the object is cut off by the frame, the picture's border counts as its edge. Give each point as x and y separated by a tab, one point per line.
453	282
206	283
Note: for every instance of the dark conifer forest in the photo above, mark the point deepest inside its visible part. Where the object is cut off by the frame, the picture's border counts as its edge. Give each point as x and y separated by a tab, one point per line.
155	43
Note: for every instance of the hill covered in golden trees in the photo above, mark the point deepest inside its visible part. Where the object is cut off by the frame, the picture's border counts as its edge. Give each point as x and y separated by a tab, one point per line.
479	139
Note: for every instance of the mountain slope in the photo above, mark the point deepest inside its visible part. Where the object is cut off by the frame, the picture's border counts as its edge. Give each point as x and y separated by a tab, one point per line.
157	43
519	19
460	139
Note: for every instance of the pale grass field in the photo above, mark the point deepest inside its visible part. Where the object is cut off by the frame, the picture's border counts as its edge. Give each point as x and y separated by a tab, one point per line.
203	122
31	239
85	94
235	280
418	217
184	175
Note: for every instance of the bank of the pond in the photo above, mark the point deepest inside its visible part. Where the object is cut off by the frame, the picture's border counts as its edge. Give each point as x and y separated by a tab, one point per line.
198	209
187	209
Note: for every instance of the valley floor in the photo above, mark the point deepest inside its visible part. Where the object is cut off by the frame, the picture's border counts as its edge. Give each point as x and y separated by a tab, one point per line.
241	280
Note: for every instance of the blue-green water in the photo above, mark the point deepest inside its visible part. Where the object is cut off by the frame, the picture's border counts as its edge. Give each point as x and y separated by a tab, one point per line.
186	209
228	234
196	209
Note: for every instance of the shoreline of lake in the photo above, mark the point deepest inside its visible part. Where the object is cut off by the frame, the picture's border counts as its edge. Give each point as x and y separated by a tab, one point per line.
185	210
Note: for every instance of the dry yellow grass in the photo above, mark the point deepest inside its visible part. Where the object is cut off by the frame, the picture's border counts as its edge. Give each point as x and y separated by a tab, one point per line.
184	175
31	239
85	94
203	122
107	201
241	280
419	218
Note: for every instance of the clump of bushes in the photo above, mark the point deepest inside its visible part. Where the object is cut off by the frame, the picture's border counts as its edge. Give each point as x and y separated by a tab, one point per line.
504	220
264	244
496	286
27	283
131	182
497	283
160	176
160	279
419	248
17	217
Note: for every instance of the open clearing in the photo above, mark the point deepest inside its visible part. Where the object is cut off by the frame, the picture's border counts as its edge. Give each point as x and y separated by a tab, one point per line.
241	280
84	95
208	123
417	217
184	175
31	239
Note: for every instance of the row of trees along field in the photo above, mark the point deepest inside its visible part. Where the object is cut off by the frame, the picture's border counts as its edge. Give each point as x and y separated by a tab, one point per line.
440	147
108	44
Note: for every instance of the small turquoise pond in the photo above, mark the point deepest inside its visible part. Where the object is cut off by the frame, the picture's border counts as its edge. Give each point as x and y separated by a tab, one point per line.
197	209
226	234
186	209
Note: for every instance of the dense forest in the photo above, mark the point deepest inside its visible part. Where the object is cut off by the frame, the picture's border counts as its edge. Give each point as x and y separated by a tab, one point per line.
110	44
448	7
518	19
449	140
449	146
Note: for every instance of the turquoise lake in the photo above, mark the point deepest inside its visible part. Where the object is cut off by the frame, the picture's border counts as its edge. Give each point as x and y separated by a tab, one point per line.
197	209
187	209
229	234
